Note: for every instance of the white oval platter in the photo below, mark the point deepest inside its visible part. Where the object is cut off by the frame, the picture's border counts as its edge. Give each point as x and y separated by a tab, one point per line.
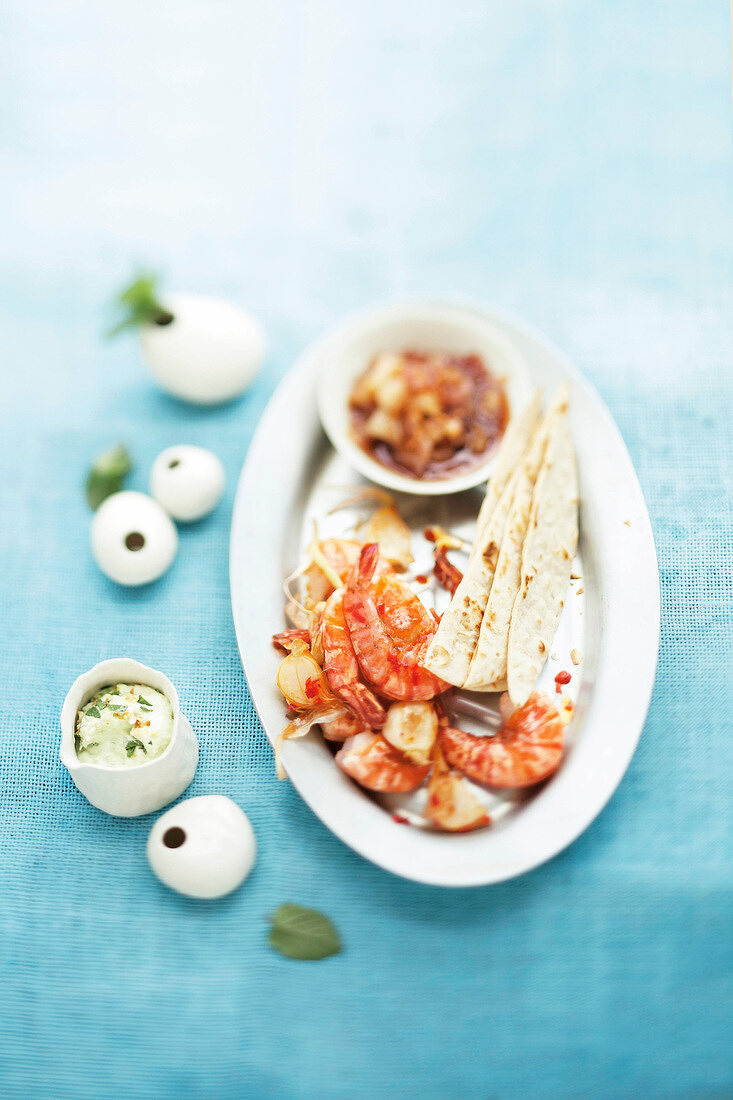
611	617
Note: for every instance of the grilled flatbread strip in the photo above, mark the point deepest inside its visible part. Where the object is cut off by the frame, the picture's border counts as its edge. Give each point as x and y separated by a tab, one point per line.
513	446
547	558
489	662
450	652
451	649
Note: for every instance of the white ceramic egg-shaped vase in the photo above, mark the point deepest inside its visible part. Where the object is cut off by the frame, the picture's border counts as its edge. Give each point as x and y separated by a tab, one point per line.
208	353
145	788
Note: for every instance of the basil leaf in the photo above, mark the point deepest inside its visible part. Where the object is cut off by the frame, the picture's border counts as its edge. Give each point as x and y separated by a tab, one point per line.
143	702
133	744
93	712
107	475
302	933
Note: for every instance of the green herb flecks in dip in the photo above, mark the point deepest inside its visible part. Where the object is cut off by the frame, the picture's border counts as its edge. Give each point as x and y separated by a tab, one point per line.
123	725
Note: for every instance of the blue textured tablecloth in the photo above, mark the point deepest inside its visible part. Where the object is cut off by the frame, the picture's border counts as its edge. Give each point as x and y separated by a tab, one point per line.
569	161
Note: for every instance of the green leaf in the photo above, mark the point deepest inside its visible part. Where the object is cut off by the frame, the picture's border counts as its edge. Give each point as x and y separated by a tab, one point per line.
140	306
107	475
93	712
144	702
133	744
302	933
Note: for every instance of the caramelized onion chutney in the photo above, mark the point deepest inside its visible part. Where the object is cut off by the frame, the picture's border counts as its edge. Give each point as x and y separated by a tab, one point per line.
428	414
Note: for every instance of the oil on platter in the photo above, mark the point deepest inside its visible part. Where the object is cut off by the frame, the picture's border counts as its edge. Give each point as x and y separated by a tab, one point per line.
292	476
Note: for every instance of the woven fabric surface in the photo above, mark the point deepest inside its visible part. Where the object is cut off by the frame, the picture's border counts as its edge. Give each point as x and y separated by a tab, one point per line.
570	163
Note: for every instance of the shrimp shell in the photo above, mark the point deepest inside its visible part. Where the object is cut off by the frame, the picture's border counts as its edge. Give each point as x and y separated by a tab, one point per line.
285	638
389	655
341	666
342	728
374	764
527	748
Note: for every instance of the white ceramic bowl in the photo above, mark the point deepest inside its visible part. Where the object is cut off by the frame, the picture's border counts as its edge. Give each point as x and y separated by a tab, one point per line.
345	352
129	792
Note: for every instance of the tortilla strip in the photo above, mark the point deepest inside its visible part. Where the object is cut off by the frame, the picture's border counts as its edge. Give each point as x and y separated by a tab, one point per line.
450	652
489	663
451	649
513	446
547	558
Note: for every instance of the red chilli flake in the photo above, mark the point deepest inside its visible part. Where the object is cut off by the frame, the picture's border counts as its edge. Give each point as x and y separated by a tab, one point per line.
400	819
311	687
421	578
560	679
429	534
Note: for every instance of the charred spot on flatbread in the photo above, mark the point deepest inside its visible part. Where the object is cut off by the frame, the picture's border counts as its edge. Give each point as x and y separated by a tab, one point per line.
491	555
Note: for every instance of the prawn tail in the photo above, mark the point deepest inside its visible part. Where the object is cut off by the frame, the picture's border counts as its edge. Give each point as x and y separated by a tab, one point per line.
367	563
364	704
285	638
